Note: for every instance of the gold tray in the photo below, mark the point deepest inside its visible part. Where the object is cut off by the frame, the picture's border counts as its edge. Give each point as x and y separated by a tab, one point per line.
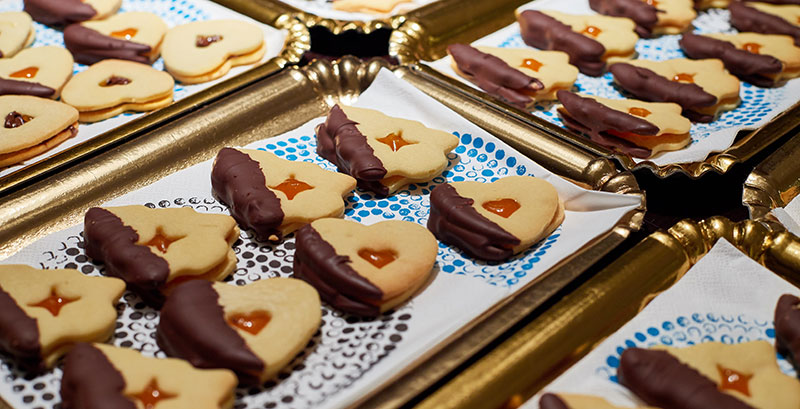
289	99
559	337
774	182
297	42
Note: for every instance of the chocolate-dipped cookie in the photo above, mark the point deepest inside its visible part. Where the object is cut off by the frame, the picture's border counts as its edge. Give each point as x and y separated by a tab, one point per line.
787	328
382	153
254	330
38	71
767	18
364	270
30	126
63	12
494	221
774	1
651	17
16	32
134	36
707	4
572	401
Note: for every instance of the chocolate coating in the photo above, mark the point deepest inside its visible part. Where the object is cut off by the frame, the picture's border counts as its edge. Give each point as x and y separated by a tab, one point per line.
238	181
774	1
494	76
14	120
115	80
551	401
340	142
661	380
14	87
644	15
749	67
89	46
787	328
316	262
453	220
19	334
544	32
59	12
193	327
90	381
746	18
110	241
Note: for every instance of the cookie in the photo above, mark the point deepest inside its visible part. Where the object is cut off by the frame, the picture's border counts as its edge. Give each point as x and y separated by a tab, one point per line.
254	330
38	71
519	76
154	250
134	36
787	328
703	88
32	126
383	153
637	128
367	6
63	12
590	41
206	50
570	401
364	270
707	4
764	60
494	221
16	32
98	376
652	17
767	18
43	313
274	196
709	375
775	1
112	87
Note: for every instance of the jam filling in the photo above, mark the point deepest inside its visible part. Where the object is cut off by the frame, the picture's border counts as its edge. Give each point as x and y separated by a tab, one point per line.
639	112
115	80
125	34
54	302
152	395
503	207
161	242
378	258
734	380
754	48
592	31
29	72
531	64
684	77
253	322
205	41
14	119
394	141
292	187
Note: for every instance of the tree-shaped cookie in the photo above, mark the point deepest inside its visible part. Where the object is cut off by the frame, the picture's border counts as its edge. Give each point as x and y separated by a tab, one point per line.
364	270
16	32
153	250
383	153
652	17
275	196
572	401
31	125
254	330
134	36
38	71
43	313
98	376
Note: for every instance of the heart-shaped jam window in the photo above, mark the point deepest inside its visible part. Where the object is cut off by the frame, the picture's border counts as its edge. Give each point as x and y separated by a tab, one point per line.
378	258
503	207
252	322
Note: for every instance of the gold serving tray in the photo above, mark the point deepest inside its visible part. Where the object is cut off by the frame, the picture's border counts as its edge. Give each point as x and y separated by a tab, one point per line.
296	44
774	182
543	349
282	102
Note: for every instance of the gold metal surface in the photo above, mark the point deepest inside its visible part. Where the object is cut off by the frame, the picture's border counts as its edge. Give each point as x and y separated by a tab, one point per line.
774	182
550	344
289	99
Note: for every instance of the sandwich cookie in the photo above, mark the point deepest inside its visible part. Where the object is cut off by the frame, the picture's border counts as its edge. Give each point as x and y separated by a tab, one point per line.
32	125
767	18
60	13
16	32
38	71
571	401
787	328
134	36
652	17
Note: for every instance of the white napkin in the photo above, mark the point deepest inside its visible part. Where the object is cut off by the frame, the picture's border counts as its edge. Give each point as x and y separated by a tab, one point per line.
789	216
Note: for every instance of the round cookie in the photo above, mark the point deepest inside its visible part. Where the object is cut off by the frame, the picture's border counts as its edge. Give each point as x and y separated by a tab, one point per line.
16	32
32	125
63	12
206	50
134	36
38	71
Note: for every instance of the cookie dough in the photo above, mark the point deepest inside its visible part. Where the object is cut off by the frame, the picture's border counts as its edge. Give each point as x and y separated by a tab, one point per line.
767	18
16	32
32	126
63	12
652	17
38	71
134	36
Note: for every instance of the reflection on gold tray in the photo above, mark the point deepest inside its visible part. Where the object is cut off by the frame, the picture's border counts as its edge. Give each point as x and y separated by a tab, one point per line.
289	99
774	182
563	334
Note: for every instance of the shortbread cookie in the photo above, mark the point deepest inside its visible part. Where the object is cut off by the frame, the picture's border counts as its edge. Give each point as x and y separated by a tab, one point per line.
63	12
570	401
767	18
494	221
383	153
707	4
703	88
651	17
32	125
775	1
637	128
254	330
112	87
206	50
134	36
43	313
519	76
787	328
364	270
765	60
16	32
367	6
154	250
709	375
98	376
590	41
38	71
274	196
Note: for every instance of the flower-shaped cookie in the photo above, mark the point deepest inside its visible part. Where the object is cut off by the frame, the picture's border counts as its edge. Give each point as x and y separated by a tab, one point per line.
520	76
787	328
206	50
591	41
154	250
43	313
383	153
709	375
98	376
62	12
254	330
39	71
493	221
652	17
364	270
703	88
275	196
112	87
640	129
767	18
16	32
134	36
571	401
32	125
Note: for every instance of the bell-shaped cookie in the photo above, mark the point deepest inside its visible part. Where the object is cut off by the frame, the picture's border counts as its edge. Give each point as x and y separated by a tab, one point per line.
134	36
16	32
32	125
59	13
38	71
